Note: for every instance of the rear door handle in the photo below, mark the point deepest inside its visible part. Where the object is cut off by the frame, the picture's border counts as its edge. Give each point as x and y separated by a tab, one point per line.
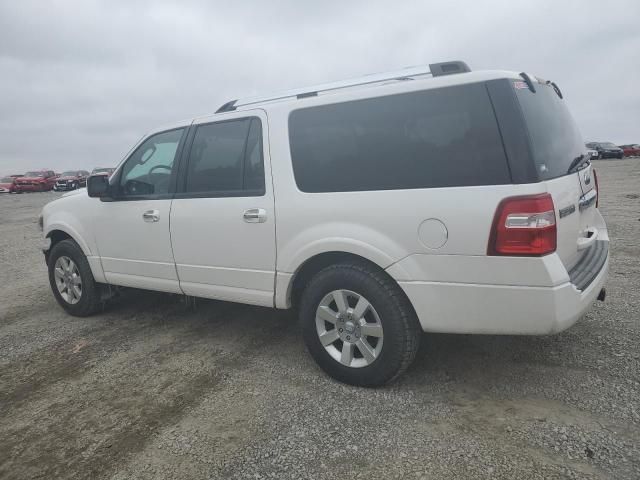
151	216
255	215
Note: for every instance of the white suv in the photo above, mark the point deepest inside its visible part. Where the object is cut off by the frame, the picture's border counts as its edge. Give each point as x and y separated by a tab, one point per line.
436	200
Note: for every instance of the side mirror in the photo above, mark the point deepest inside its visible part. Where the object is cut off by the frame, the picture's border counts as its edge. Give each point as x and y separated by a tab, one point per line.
98	186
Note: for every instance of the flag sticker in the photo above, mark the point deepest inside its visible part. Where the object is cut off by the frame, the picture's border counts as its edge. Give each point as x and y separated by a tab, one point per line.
520	85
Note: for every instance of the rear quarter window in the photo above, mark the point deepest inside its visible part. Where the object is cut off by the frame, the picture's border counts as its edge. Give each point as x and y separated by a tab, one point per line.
554	136
433	138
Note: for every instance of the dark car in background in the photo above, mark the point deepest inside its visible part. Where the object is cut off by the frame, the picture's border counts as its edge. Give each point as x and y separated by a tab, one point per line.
36	181
8	184
632	150
103	171
606	149
70	180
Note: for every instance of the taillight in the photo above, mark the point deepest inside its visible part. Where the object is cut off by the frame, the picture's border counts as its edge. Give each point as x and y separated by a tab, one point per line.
595	181
524	226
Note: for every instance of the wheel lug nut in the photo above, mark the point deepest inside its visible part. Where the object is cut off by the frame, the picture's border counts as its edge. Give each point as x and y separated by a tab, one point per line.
348	337
340	330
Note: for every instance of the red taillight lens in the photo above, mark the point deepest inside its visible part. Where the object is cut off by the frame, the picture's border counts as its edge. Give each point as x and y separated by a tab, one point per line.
524	226
595	181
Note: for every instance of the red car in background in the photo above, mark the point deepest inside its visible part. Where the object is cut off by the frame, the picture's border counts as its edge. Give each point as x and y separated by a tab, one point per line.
632	150
8	184
36	181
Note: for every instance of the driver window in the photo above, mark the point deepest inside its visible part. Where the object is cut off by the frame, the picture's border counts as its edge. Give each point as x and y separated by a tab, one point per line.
148	170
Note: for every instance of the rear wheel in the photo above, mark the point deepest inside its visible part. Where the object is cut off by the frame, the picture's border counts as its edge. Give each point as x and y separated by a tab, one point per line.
71	279
358	325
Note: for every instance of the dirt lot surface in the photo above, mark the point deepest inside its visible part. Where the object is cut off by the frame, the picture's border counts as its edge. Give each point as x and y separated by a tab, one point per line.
150	389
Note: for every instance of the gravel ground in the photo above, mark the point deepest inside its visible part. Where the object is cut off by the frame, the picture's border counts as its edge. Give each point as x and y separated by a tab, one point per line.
151	389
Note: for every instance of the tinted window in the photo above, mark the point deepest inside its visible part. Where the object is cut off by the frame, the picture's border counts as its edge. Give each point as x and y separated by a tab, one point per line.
148	170
226	157
555	139
434	138
254	169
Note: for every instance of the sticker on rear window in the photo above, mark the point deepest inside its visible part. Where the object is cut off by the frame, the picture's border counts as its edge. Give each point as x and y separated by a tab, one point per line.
518	85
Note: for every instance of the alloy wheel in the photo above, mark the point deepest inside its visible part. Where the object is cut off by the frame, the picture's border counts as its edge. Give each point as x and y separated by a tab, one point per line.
349	328
68	280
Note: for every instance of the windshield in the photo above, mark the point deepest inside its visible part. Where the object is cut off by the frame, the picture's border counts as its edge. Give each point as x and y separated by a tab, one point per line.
555	138
34	174
608	145
69	174
6	180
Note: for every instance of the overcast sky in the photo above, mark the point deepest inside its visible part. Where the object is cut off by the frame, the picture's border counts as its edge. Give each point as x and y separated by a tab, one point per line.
81	81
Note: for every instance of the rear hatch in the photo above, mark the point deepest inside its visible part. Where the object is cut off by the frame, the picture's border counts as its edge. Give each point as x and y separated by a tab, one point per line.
562	164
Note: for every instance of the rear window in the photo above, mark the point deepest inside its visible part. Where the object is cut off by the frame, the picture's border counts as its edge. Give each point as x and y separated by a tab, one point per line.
554	135
434	138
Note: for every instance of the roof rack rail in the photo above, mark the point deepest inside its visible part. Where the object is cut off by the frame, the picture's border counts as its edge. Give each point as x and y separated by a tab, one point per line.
434	69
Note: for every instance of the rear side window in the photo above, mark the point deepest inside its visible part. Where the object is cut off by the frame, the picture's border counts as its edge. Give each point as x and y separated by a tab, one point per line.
434	138
554	136
226	157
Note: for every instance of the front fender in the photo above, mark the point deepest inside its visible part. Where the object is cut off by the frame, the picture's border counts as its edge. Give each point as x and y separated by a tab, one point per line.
69	230
73	216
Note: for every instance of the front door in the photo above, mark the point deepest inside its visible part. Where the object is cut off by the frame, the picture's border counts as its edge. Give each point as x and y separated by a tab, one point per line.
132	228
222	217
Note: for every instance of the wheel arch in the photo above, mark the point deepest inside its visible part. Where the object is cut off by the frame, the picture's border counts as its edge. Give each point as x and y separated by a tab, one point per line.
57	233
303	274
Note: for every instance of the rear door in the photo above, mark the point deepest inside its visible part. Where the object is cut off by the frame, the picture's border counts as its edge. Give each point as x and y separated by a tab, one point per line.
222	217
555	142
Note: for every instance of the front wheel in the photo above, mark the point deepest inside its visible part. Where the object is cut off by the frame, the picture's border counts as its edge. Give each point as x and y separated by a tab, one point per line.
358	325
71	279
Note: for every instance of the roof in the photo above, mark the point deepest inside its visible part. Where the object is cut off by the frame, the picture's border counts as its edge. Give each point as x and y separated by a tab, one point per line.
433	75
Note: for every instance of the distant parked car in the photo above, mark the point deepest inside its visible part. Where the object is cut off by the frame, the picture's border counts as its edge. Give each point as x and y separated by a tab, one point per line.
71	180
8	184
606	149
593	153
36	181
632	150
103	171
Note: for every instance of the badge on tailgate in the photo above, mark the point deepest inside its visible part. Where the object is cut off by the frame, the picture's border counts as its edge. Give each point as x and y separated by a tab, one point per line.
567	210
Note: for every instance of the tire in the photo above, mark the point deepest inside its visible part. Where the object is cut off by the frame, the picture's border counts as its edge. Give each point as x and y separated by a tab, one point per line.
89	298
388	306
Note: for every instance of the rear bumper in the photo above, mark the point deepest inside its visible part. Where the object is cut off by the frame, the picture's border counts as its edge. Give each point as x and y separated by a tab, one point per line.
501	309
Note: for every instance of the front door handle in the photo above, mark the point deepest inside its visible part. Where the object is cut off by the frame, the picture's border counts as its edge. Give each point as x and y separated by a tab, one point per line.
255	215
151	216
